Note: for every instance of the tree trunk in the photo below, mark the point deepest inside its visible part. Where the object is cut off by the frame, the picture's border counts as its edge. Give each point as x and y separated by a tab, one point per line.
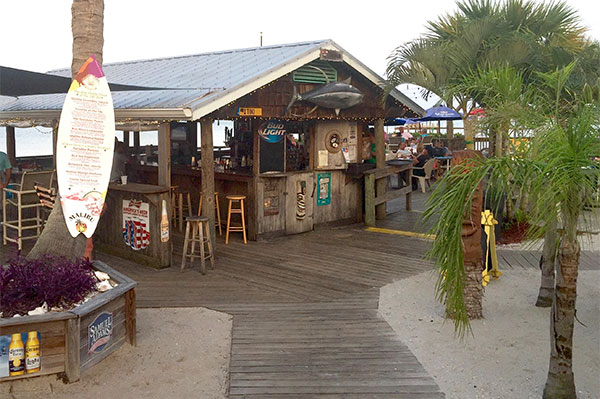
87	23
56	239
547	262
469	133
449	130
560	383
471	245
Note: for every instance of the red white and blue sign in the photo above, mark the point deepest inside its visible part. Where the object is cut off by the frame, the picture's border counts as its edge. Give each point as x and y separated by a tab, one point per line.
272	131
136	224
99	332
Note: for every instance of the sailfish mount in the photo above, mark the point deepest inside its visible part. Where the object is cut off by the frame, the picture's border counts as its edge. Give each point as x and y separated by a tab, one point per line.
336	95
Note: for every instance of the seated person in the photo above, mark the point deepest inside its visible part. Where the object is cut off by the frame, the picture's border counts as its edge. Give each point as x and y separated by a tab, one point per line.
439	150
419	162
403	151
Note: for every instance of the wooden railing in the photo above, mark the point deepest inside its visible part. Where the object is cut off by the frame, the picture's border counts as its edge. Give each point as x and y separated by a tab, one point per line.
373	199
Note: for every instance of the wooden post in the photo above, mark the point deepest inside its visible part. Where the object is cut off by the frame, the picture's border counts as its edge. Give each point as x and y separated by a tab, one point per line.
54	141
164	154
136	142
380	151
126	139
130	317
208	174
370	199
192	128
10	145
72	357
449	130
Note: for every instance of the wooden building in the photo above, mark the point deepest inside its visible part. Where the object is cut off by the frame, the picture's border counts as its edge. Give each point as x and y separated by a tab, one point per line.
296	158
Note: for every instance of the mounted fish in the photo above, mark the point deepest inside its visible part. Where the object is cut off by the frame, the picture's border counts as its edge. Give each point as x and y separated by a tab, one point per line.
336	95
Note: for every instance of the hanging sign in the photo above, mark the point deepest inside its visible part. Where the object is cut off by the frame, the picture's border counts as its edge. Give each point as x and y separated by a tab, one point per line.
99	332
249	111
324	183
84	151
272	131
136	224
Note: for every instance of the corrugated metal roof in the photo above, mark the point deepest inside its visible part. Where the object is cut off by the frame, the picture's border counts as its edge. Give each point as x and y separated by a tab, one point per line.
216	70
146	99
197	83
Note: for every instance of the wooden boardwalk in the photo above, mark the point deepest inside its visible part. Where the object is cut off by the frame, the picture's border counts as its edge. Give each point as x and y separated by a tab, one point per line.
305	319
305	313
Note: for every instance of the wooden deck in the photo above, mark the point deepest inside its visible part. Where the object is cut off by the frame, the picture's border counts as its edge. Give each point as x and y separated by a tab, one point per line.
305	312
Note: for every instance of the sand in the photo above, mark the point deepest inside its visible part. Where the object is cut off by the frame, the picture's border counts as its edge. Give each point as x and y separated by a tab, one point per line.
180	353
508	355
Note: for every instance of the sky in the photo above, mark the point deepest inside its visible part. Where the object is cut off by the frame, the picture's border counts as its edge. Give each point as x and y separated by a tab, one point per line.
36	34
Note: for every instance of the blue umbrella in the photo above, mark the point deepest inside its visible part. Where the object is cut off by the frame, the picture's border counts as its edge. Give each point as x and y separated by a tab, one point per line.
439	114
399	121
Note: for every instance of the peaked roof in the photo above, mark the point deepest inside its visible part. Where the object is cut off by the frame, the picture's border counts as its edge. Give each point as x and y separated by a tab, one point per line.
190	87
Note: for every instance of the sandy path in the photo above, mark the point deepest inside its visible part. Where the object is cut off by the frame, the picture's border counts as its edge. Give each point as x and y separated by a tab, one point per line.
508	357
180	353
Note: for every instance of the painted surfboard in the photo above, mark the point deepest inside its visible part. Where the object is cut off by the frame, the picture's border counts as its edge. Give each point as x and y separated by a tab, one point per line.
84	149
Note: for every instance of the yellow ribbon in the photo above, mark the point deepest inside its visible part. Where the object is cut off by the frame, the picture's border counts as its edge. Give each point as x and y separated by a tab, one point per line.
487	219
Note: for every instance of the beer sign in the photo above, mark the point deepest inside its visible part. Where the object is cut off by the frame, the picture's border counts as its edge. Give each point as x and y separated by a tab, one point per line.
99	332
272	131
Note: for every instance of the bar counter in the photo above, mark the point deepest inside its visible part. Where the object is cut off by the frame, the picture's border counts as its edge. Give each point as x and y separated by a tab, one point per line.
130	225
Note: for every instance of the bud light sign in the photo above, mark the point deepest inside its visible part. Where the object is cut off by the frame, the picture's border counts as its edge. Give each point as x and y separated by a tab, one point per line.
272	131
99	332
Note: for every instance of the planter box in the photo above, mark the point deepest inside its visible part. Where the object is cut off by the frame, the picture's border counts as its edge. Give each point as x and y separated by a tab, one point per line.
77	339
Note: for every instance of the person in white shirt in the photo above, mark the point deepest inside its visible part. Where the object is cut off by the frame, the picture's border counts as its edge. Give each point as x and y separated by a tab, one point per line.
403	151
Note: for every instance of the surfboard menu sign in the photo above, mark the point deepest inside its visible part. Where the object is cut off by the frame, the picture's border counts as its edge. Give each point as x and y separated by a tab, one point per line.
84	150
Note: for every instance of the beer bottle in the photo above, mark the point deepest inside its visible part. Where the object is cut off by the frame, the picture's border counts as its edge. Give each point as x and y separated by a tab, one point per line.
32	353
164	223
16	356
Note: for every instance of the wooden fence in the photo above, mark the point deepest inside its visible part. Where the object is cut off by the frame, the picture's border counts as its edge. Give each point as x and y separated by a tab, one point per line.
373	199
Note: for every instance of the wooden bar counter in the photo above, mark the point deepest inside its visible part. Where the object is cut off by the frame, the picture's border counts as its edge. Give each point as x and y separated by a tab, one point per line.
110	237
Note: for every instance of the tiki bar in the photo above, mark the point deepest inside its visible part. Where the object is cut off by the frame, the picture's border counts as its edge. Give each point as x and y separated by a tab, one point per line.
296	120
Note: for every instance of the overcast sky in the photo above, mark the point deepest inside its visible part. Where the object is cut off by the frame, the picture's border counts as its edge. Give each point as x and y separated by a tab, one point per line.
36	34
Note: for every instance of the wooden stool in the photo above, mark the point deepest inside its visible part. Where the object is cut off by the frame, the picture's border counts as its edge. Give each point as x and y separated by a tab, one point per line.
197	224
180	207
217	211
240	210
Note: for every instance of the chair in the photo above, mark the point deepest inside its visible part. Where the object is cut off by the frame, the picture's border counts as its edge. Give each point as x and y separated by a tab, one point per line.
197	231
179	206
24	197
242	228
47	196
428	170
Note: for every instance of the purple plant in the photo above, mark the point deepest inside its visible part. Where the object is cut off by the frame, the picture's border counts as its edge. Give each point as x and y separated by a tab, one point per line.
26	284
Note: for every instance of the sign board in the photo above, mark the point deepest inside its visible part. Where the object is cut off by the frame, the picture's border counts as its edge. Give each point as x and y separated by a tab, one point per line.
272	131
249	111
20	353
324	184
84	151
99	332
136	224
331	55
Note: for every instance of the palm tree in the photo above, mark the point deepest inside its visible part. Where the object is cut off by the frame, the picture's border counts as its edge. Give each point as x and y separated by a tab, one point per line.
88	27
560	175
482	33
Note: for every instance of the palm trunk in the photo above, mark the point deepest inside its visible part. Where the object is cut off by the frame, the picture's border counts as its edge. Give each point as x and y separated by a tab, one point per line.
87	23
560	383
547	262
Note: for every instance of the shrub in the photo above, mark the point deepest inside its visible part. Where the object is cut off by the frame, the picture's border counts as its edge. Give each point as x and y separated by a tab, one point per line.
26	284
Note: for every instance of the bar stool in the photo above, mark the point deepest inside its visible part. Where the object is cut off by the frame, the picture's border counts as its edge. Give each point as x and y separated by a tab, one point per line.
180	207
240	210
197	224
217	210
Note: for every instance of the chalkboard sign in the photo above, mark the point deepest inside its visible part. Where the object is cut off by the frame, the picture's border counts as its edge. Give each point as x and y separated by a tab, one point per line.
272	156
